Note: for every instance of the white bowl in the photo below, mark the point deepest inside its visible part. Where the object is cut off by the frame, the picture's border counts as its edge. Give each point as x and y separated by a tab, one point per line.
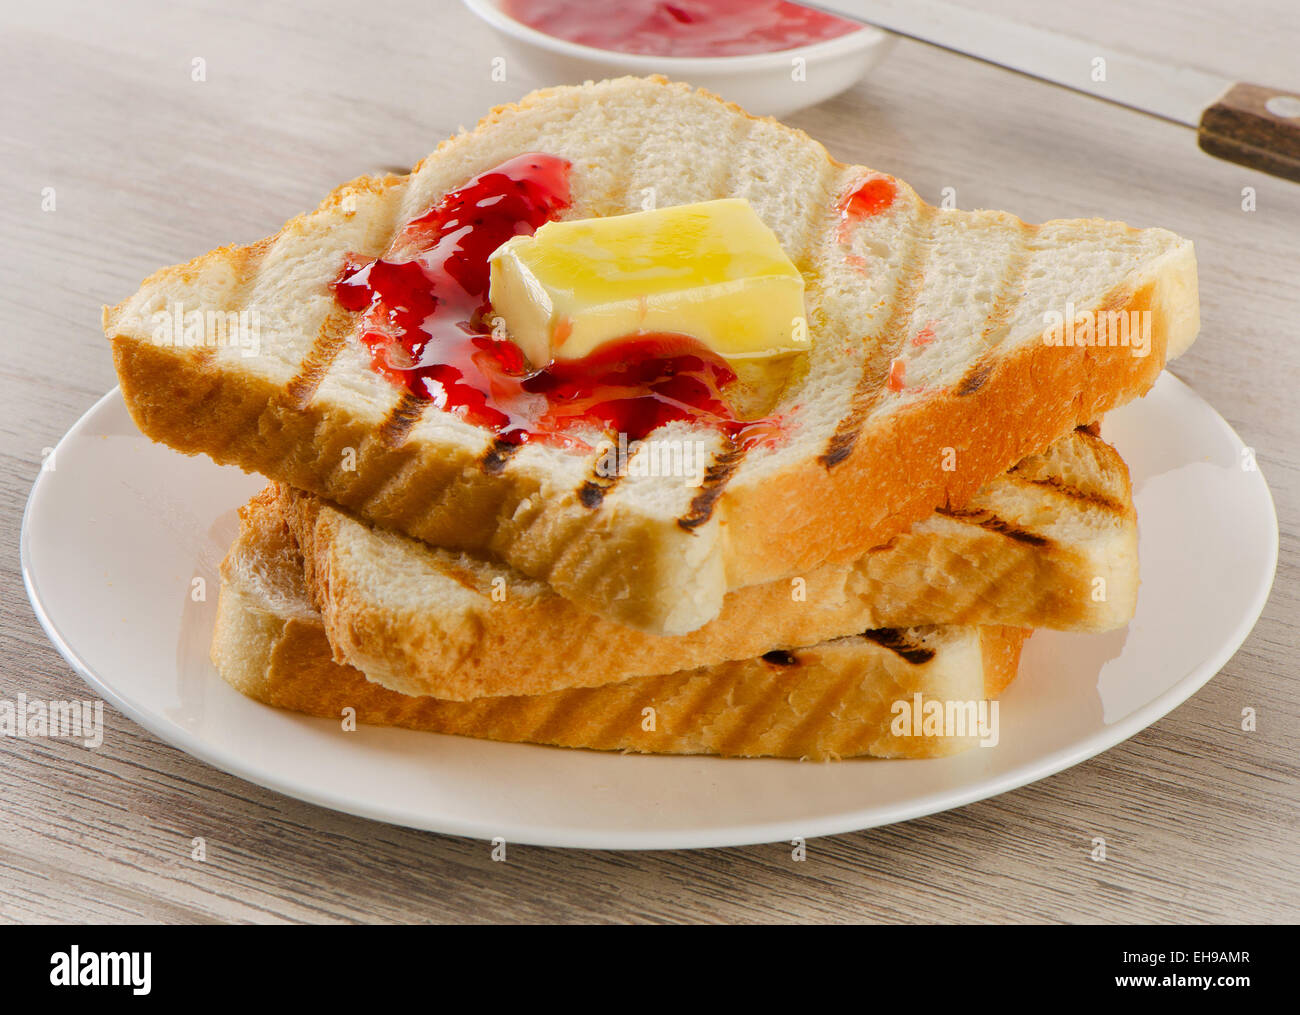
763	83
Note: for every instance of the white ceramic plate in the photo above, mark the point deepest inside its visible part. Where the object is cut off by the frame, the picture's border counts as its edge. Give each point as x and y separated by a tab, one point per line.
118	530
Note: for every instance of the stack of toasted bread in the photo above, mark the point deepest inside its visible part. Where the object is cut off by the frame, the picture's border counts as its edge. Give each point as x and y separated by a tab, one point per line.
940	486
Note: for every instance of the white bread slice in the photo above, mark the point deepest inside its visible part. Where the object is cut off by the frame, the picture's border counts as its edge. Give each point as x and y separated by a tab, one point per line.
834	700
862	463
1053	543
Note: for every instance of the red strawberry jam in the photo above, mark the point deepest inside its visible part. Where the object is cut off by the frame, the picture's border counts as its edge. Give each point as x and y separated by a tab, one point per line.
425	318
684	27
873	197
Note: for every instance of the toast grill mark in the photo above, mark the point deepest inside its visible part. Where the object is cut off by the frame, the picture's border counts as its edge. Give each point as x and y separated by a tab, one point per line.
988	520
339	325
1106	487
329	340
896	641
401	418
758	715
826	194
875	371
566	705
712	691
724	466
974	379
482	713
1006	300
496	457
642	693
1093	497
1010	291
593	490
813	722
641	190
779	657
839	447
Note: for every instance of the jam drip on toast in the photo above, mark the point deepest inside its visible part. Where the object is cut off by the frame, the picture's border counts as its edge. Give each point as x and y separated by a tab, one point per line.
427	323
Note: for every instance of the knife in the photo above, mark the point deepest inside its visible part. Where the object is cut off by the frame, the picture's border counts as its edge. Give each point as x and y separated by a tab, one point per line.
1249	124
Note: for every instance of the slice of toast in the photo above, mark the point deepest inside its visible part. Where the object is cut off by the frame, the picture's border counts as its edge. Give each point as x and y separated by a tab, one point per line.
1052	543
835	700
937	361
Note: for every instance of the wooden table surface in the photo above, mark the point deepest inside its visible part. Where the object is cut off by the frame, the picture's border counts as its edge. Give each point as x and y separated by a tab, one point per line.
150	167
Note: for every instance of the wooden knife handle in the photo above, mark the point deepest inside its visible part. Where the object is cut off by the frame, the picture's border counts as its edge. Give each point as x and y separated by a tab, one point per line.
1255	126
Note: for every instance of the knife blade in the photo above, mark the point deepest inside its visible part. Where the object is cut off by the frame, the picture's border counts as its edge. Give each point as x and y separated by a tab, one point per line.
1252	125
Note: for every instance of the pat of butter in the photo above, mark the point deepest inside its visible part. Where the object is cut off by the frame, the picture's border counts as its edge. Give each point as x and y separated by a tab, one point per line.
711	270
